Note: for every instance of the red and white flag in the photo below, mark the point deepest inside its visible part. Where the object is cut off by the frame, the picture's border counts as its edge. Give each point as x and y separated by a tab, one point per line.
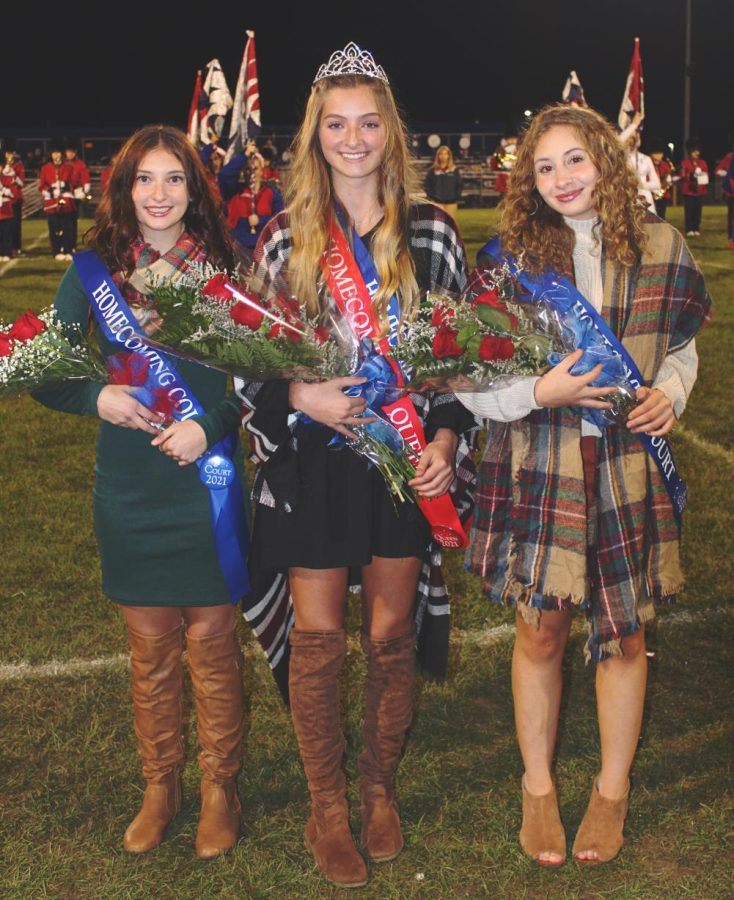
633	100
197	110
246	111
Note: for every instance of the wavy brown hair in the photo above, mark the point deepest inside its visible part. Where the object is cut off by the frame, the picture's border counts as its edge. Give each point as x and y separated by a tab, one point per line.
116	226
310	195
528	224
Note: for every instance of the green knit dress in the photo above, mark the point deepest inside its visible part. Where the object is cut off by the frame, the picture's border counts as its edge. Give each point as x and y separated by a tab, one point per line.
151	516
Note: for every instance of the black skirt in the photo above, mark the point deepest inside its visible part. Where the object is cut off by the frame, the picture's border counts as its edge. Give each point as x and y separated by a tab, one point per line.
341	511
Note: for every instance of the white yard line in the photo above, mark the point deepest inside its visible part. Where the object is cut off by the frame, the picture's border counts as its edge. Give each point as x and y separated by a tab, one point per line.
15	260
484	637
704	445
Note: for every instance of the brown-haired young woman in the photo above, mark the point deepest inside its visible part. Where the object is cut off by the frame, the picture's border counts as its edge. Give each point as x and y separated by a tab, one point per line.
158	215
567	515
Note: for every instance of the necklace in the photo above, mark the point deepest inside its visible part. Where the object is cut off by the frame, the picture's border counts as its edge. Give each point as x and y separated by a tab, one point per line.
367	222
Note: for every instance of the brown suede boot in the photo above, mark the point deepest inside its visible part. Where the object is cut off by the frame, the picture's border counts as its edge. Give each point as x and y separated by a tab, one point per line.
215	662
542	830
157	691
602	827
388	713
315	662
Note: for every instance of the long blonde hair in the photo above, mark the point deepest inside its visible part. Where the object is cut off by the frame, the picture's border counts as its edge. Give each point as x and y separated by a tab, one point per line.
310	195
450	165
528	223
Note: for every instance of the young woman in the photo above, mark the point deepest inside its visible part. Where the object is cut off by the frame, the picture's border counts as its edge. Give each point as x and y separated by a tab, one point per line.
567	515
152	512
443	181
324	513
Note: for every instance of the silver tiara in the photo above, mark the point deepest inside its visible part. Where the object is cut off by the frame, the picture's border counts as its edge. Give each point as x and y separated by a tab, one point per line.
351	61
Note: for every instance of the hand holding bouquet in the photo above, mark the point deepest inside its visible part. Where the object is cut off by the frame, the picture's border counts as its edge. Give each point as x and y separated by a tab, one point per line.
496	330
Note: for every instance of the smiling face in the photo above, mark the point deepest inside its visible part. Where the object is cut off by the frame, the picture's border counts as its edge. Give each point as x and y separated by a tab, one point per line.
352	135
565	175
160	198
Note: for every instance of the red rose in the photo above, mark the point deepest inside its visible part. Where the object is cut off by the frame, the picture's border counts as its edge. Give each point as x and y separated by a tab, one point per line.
6	344
490	297
321	333
244	314
491	348
26	327
214	289
279	330
444	343
288	307
442	315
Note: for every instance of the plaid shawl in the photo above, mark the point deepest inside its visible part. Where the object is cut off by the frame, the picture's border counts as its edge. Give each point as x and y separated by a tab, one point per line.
171	265
532	528
269	609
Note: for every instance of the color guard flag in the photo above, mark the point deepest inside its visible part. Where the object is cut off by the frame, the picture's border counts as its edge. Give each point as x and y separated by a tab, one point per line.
633	100
246	111
220	102
197	112
573	93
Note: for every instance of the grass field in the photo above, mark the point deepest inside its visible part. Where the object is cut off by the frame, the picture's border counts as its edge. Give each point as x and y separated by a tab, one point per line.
69	777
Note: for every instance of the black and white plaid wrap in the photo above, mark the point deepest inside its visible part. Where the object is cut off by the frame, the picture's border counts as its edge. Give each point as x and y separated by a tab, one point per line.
440	260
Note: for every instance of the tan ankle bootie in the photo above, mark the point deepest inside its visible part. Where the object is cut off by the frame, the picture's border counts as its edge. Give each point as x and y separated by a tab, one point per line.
315	662
542	830
215	662
388	713
602	827
157	684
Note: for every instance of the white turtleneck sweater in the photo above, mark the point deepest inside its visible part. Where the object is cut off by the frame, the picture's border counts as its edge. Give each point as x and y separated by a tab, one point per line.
675	378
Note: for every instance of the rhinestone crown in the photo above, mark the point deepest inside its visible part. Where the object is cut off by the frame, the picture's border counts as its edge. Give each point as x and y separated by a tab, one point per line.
351	61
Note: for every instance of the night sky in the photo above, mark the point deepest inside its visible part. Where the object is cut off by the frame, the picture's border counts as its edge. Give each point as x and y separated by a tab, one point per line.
475	62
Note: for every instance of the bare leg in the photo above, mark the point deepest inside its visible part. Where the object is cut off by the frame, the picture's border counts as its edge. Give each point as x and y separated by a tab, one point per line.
319	598
388	589
151	620
620	698
536	690
203	621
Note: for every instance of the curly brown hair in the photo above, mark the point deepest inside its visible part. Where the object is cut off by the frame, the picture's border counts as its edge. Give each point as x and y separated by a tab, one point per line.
528	224
116	226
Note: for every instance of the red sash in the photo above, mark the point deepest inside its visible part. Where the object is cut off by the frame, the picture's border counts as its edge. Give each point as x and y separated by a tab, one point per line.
349	290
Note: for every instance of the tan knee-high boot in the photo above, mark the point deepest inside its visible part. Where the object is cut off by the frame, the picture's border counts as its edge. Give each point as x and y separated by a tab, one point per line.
315	662
157	683
388	713
215	663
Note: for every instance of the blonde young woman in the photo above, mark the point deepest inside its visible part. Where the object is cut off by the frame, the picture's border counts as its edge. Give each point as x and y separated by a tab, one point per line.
568	516
443	183
322	514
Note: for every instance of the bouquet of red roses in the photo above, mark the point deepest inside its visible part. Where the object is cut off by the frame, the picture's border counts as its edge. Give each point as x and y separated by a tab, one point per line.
211	319
36	351
473	340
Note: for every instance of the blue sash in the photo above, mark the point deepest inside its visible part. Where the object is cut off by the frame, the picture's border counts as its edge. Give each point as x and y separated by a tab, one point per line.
120	327
559	292
366	266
